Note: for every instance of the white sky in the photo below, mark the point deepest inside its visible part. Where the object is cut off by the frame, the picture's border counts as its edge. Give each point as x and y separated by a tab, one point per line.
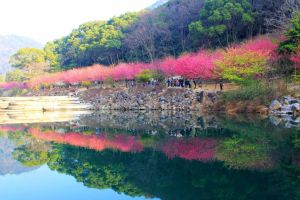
46	20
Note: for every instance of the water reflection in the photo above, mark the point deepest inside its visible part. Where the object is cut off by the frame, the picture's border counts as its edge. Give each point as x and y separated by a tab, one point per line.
166	155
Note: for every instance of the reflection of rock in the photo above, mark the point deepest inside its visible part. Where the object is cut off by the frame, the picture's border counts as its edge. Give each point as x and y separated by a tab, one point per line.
173	123
287	108
8	165
275	120
275	105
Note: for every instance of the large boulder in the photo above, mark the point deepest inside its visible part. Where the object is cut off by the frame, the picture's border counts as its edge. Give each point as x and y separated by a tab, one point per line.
296	109
275	105
290	100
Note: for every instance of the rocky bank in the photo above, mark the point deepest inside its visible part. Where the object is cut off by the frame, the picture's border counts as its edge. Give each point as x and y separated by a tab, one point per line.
148	98
285	111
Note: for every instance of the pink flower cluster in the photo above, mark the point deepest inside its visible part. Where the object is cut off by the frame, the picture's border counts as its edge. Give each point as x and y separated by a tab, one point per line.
194	65
262	45
296	60
11	85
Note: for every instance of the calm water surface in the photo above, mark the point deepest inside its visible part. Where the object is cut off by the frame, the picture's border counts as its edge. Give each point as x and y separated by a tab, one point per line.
134	155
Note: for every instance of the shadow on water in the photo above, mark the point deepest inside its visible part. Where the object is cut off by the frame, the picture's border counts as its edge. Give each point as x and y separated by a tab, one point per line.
167	155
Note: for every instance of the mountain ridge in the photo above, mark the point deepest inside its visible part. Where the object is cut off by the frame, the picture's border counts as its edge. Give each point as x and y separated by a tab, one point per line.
157	4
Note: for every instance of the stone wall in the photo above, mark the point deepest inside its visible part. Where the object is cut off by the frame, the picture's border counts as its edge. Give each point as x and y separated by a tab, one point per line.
146	98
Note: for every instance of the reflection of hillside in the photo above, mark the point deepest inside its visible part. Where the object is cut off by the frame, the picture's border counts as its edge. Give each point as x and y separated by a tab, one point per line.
238	159
239	143
154	175
190	149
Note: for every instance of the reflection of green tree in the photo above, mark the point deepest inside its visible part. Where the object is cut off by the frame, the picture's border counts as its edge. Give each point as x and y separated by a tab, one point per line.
151	174
30	152
30	158
239	152
243	145
252	143
92	170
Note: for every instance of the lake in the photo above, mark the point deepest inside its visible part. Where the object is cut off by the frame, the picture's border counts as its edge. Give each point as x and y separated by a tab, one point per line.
150	155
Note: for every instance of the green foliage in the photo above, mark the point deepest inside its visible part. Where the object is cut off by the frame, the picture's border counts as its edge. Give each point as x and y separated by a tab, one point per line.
148	74
109	81
86	83
293	37
241	66
30	158
2	78
252	91
27	56
16	75
51	55
223	21
169	30
150	173
241	153
29	62
91	42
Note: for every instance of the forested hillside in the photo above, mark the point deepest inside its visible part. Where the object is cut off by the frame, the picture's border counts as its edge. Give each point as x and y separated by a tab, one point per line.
10	45
171	29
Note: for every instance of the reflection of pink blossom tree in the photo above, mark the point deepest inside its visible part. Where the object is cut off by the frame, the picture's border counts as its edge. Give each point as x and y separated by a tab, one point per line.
8	128
119	142
190	149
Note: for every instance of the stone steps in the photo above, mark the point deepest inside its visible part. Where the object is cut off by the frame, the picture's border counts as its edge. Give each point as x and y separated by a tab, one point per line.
29	117
44	103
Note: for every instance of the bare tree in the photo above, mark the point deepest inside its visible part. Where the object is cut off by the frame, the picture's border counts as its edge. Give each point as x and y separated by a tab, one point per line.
280	19
142	36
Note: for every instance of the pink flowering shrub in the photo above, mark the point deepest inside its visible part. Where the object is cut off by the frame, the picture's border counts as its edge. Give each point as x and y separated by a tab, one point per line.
198	65
12	85
296	60
263	45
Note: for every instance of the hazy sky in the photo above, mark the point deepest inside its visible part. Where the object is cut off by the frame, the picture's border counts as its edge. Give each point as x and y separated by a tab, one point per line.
46	20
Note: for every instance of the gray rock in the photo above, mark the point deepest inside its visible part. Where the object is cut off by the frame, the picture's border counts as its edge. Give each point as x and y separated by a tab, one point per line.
296	107
275	105
275	120
286	109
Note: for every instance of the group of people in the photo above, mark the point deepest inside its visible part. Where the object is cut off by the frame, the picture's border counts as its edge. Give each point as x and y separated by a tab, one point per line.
182	82
173	82
178	82
186	83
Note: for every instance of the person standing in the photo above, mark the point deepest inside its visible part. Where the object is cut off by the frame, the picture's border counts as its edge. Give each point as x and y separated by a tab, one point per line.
195	84
181	82
200	84
221	85
169	82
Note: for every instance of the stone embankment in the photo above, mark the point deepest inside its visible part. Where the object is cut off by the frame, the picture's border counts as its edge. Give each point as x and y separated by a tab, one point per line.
180	99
